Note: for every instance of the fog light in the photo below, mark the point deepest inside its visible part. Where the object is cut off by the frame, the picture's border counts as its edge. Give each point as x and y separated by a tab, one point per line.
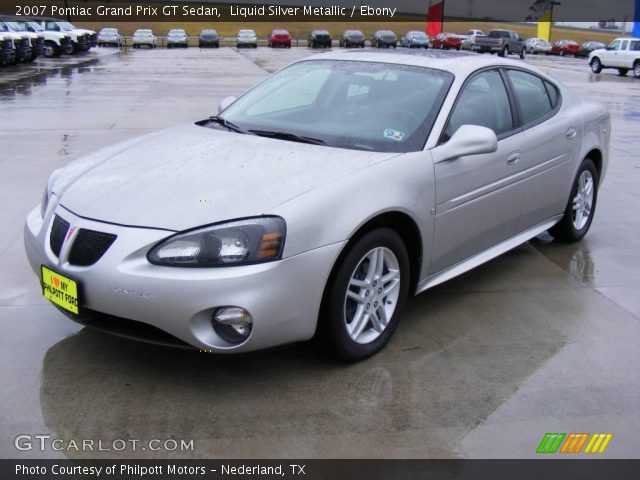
233	324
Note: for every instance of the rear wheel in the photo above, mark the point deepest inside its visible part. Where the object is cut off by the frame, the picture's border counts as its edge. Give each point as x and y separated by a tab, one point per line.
365	299
636	69
596	65
562	53
581	206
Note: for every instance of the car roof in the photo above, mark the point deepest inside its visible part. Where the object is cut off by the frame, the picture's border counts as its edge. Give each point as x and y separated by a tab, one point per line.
458	63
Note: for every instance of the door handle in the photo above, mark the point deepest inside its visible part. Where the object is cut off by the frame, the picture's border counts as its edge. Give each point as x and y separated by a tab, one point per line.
514	158
571	133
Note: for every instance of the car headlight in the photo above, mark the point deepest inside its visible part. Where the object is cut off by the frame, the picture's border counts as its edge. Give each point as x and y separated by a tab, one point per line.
241	242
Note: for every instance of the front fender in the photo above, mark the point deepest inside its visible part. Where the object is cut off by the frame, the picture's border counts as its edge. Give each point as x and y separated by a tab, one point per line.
334	213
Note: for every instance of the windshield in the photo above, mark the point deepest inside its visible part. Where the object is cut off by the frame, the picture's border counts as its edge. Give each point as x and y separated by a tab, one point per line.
36	26
347	104
18	27
66	26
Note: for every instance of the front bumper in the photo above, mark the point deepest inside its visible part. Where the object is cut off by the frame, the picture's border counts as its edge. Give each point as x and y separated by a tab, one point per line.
283	297
7	56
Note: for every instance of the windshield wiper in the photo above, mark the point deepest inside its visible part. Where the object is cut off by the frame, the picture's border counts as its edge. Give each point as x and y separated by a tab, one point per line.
292	137
229	125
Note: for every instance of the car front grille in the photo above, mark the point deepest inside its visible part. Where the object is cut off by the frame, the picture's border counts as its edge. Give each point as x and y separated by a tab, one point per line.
7	45
89	246
65	40
59	231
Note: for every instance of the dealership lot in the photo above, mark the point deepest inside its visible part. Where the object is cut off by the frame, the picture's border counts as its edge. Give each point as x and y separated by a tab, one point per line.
544	339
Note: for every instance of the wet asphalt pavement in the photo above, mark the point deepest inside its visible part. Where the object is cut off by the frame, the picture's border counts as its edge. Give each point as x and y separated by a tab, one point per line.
543	339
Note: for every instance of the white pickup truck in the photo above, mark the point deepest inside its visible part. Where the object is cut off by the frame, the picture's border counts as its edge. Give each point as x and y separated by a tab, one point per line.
81	39
36	40
55	43
7	50
21	44
622	53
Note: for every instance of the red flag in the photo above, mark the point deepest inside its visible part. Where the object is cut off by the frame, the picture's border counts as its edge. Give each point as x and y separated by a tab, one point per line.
435	17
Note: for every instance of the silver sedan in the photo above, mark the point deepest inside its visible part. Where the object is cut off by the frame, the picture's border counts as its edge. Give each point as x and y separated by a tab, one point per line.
318	201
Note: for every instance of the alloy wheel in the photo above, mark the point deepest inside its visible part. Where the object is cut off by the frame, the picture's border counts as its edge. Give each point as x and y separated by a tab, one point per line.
372	295
583	201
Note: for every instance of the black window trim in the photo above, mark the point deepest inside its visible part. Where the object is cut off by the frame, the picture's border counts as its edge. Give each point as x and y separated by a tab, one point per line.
552	113
514	113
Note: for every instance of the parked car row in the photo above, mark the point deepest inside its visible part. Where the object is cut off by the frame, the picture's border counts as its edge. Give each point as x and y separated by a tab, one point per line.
23	39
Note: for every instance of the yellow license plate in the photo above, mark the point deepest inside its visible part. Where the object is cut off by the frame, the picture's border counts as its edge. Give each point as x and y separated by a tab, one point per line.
60	290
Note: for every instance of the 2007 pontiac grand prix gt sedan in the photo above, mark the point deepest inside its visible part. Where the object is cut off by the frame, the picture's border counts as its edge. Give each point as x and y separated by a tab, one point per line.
318	201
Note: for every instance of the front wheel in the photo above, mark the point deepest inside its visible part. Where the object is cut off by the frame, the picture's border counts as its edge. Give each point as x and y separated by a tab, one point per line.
51	50
581	206
596	65
365	299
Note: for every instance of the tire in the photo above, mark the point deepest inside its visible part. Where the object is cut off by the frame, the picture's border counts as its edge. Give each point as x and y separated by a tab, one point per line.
636	69
523	54
623	72
596	65
561	53
340	311
573	228
51	50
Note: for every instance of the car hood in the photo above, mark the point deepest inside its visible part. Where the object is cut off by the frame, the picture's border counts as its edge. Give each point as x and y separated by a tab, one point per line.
189	176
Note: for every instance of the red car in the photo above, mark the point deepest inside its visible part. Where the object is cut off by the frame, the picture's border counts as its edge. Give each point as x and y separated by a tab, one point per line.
280	38
446	41
565	47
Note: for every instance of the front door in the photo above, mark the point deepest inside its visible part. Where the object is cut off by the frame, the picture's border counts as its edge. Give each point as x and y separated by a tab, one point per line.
478	198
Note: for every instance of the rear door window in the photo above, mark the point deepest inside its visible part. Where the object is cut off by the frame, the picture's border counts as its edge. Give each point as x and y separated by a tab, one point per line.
532	96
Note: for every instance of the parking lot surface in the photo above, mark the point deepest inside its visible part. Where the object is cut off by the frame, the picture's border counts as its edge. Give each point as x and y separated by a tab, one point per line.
543	339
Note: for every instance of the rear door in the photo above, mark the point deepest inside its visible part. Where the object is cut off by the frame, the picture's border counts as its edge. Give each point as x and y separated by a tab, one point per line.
478	198
550	145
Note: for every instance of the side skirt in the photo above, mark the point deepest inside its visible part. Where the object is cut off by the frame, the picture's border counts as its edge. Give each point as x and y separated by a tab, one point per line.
486	255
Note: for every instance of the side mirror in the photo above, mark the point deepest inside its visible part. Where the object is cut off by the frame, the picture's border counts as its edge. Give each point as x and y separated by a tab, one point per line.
468	140
226	102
